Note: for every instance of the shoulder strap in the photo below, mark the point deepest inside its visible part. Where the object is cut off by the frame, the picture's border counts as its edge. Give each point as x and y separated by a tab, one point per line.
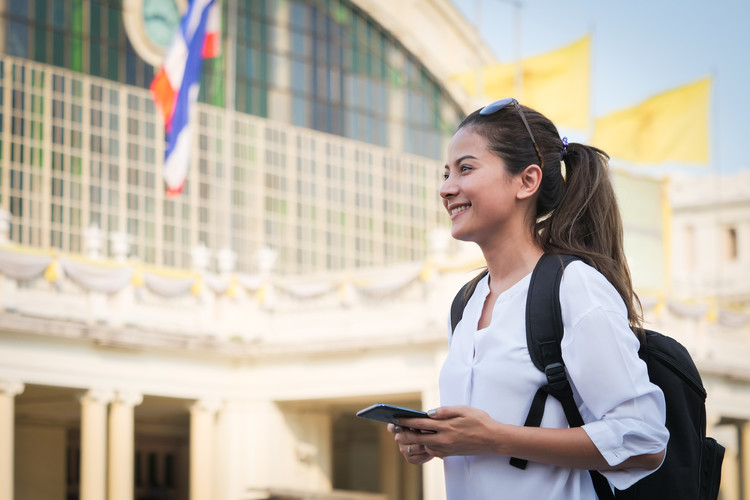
544	332
462	297
544	327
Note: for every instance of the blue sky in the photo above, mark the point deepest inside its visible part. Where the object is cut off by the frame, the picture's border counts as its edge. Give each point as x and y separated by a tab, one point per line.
641	48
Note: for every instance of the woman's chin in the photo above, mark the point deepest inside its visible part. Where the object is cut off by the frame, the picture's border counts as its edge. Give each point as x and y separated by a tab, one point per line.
460	235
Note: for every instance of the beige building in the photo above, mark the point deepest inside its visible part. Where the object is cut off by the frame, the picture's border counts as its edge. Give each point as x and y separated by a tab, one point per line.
708	304
216	346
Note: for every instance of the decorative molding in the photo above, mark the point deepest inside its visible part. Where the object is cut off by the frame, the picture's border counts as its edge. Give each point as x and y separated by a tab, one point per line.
128	398
11	387
101	396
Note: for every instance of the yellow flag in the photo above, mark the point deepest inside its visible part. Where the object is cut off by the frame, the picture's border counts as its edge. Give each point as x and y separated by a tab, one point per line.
556	84
672	126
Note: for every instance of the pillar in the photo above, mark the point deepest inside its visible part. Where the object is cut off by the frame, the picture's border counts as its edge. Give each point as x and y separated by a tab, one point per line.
8	391
743	455
94	444
202	439
122	446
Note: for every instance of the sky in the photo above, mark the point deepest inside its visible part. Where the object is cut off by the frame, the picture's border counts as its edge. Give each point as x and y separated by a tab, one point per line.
640	48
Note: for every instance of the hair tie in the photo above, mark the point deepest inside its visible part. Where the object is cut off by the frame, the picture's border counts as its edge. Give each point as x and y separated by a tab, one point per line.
565	146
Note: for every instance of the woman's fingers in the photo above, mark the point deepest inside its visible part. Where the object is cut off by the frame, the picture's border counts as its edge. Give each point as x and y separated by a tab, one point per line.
415	453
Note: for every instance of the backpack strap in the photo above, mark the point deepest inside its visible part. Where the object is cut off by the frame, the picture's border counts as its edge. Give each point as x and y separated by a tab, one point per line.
544	332
462	297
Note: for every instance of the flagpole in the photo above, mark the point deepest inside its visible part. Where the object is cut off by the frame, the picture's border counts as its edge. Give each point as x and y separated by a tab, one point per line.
590	118
479	82
517	39
518	76
229	106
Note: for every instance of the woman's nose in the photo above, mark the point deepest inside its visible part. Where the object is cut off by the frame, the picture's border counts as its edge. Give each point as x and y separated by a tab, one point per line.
448	188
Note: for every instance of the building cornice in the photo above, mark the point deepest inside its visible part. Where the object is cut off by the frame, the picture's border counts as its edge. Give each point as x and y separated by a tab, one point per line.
436	33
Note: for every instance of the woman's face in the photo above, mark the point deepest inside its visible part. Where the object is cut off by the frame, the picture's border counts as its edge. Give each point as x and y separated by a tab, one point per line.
478	192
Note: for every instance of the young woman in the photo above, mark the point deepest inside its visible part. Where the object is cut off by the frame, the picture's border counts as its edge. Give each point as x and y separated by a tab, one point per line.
517	190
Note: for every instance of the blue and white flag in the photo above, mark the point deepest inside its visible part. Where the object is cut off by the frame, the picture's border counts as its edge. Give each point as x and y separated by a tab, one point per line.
175	87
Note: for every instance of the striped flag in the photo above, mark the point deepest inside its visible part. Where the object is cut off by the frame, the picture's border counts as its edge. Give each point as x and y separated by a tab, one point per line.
175	87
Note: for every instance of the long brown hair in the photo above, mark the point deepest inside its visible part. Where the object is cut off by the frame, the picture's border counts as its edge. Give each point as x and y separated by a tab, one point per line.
576	212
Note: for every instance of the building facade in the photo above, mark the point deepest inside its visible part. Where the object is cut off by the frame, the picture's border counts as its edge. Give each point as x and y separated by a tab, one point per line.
270	167
216	346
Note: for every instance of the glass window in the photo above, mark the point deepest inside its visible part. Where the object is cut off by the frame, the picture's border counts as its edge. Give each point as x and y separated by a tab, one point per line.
730	243
95	67
40	44
59	48
58	14
113	25
77	17
95	14
18	39
113	59
76	54
19	8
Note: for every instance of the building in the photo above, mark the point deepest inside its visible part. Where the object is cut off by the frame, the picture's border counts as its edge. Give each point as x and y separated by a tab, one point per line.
709	303
217	345
305	76
318	135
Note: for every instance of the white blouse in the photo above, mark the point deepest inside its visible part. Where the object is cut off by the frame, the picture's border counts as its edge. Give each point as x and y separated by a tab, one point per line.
490	369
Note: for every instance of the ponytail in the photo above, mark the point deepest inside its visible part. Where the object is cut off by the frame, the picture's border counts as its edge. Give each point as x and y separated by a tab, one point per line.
587	223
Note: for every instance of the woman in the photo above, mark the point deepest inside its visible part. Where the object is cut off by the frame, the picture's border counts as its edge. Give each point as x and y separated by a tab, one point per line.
517	190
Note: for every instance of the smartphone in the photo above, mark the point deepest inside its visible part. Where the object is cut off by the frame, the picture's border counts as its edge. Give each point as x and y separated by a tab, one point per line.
386	413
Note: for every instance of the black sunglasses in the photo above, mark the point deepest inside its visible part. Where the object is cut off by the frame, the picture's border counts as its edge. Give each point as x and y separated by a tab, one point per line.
498	105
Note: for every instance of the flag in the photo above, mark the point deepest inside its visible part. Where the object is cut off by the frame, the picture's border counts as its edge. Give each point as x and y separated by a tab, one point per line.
175	86
672	126
556	84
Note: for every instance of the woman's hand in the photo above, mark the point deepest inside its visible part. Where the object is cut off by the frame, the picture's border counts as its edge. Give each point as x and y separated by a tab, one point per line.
414	453
462	430
450	430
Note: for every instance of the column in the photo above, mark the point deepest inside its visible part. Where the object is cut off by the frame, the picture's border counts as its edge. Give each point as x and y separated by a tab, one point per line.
8	286
202	438
94	444
122	445
743	430
8	391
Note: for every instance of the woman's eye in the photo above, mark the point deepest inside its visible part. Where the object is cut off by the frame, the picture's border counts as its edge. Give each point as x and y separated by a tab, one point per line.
445	176
465	168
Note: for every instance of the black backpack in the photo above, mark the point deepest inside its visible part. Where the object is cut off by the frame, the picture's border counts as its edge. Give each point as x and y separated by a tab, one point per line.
692	467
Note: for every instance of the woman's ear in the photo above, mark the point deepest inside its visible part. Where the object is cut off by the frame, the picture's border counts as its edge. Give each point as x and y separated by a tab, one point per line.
531	179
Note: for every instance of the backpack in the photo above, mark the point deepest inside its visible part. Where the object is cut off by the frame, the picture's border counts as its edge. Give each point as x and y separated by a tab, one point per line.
692	466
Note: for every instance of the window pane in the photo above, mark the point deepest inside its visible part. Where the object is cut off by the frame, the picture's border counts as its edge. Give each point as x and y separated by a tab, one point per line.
19	8
18	39
58	13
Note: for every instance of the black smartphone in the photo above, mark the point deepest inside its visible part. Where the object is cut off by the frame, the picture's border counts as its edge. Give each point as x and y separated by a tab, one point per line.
386	413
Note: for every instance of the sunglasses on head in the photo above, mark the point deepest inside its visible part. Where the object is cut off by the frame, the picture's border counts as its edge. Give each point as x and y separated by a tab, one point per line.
498	105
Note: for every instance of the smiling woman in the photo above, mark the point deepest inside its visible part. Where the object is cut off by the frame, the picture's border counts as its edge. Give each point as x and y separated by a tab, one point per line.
151	25
505	191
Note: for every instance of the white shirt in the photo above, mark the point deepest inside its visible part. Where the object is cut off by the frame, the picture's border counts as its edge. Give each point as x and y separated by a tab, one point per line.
490	369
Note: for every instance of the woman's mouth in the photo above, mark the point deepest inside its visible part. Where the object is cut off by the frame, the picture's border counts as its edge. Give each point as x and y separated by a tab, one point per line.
457	210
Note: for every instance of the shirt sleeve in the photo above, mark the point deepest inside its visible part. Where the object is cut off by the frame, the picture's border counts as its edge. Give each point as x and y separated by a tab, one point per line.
624	413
